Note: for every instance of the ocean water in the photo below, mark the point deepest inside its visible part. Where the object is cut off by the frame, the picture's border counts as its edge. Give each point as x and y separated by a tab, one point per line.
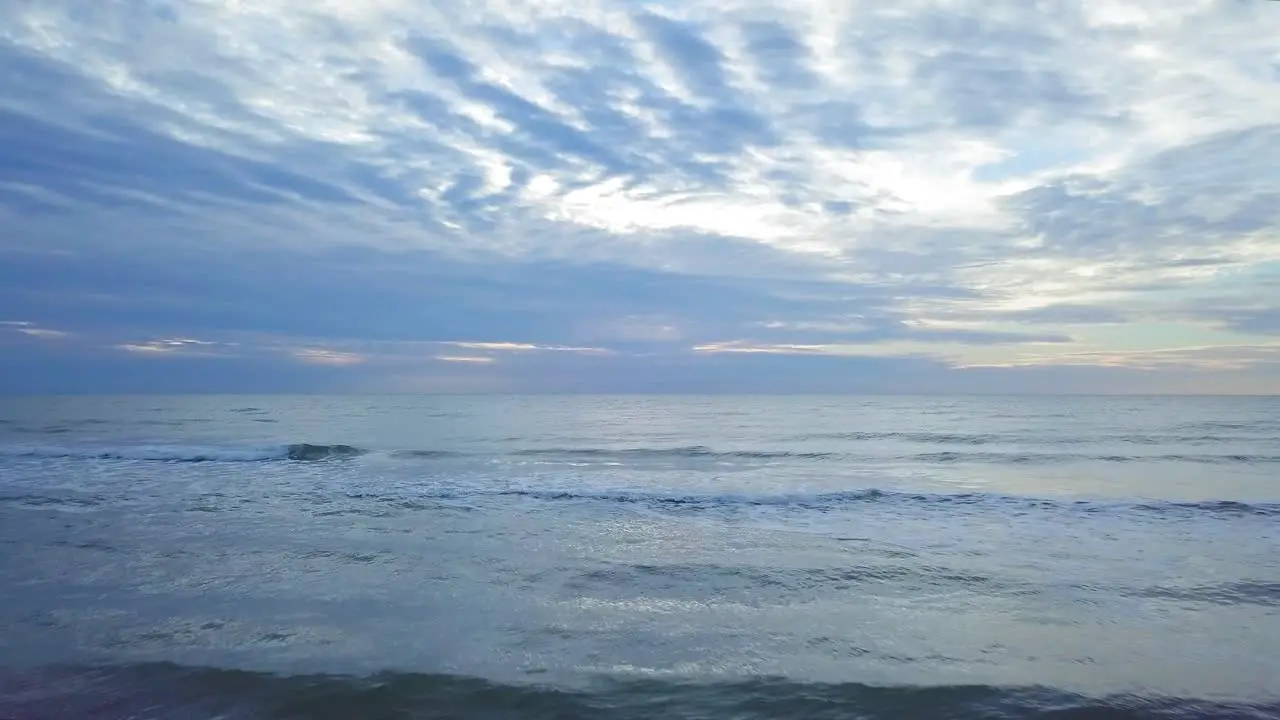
639	557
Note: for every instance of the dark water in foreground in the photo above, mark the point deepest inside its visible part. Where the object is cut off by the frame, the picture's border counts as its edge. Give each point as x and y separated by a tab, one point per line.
260	557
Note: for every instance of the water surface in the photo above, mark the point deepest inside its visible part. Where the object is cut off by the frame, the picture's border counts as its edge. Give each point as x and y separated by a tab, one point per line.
639	556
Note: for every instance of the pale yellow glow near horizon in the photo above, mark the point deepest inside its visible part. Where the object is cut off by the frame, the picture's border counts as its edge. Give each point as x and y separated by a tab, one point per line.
1137	345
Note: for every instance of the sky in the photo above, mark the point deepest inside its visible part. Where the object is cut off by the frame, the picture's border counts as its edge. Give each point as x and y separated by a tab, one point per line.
773	196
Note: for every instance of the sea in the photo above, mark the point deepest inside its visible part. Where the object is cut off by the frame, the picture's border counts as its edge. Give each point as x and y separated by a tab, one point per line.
639	557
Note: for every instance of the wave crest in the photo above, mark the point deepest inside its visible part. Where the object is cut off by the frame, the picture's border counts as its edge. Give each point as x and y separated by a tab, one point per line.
685	451
187	453
304	451
834	500
307	451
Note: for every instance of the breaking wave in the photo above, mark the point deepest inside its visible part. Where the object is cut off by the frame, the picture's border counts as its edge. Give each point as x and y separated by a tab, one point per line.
187	453
834	500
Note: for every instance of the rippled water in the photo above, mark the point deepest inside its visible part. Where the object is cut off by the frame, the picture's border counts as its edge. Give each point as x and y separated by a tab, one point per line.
638	557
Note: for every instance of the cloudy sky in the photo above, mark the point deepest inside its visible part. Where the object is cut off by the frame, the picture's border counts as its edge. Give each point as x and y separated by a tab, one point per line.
616	195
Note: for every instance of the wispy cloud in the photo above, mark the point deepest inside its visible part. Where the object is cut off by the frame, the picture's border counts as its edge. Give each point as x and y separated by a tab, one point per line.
469	359
525	347
316	356
349	187
43	332
25	327
739	346
171	346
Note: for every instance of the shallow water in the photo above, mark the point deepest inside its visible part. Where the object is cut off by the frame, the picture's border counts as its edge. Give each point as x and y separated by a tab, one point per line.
635	556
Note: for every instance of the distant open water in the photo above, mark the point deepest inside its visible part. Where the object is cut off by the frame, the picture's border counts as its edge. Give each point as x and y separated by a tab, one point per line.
639	557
